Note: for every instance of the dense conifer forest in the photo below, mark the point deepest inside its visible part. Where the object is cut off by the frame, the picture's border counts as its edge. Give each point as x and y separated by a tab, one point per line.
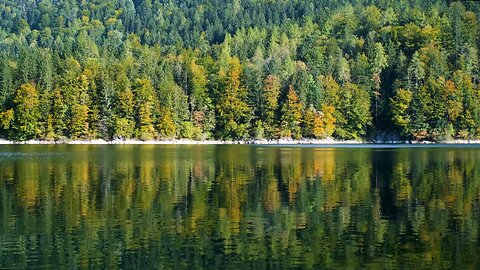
239	69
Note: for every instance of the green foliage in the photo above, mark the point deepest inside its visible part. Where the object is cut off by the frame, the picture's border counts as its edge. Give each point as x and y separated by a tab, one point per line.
319	125
59	113
98	68
27	112
313	124
124	128
6	118
145	104
353	112
269	105
233	111
200	101
166	126
291	119
348	109
400	105
468	120
329	120
189	131
79	126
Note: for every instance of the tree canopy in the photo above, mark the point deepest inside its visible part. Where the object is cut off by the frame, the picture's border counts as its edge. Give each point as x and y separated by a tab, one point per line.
153	69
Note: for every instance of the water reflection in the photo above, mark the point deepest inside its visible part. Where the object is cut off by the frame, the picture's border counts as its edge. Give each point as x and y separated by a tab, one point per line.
238	207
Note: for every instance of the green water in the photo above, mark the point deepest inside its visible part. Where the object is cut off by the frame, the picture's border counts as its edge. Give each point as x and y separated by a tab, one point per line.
239	207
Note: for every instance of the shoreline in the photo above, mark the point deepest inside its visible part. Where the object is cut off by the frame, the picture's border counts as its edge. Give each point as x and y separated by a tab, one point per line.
251	142
186	142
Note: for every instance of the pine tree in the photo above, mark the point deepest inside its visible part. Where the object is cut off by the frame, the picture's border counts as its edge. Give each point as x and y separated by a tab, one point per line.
59	114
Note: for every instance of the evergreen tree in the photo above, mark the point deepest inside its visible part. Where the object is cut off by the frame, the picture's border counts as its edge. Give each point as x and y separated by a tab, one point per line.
203	71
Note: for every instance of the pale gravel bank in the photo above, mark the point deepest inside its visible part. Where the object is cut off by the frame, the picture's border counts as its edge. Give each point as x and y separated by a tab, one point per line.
273	142
257	142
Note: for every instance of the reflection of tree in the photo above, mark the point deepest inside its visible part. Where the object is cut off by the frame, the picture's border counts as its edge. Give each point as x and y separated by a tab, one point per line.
28	186
215	206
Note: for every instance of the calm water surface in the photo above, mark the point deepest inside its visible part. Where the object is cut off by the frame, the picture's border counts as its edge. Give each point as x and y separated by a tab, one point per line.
239	207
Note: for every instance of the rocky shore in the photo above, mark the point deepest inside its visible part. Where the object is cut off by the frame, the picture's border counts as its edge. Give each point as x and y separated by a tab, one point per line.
255	142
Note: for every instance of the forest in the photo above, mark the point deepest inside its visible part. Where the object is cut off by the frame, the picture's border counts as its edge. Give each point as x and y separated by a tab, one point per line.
239	69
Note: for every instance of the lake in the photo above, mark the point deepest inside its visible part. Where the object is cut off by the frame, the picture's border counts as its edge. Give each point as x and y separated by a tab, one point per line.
239	206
